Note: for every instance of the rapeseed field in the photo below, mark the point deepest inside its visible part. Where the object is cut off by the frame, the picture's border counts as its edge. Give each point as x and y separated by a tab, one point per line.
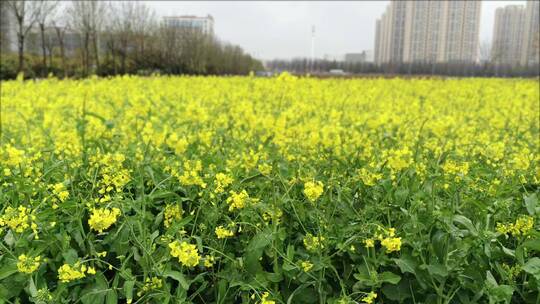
269	190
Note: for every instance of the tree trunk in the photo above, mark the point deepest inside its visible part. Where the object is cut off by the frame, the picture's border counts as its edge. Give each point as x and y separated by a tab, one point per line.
96	51
86	53
43	49
62	52
21	53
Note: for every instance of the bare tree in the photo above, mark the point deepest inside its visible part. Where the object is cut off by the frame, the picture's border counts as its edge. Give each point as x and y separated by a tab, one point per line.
25	13
144	21
86	17
123	14
60	36
45	11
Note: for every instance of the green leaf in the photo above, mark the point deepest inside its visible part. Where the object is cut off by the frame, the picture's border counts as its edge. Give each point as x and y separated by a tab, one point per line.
437	270
399	292
497	293
32	288
128	289
532	244
254	251
406	264
8	270
70	256
178	277
533	267
531	202
389	277
112	297
462	220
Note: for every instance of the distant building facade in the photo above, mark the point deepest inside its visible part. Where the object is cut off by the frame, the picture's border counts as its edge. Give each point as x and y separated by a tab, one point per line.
507	44
531	35
8	32
356	57
516	35
204	24
428	31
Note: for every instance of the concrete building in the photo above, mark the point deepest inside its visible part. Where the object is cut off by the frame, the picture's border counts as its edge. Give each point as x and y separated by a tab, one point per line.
356	57
204	24
507	44
8	31
531	35
428	31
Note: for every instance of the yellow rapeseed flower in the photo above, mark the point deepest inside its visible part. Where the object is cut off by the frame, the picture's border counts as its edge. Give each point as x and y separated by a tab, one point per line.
222	232
172	213
313	243
313	190
186	253
27	264
68	273
102	219
264	299
369	298
391	244
306	266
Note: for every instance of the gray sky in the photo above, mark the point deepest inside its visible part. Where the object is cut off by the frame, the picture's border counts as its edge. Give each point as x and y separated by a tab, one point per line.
282	29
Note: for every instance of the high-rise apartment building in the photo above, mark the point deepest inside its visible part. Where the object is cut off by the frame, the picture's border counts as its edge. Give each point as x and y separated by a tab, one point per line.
531	35
516	35
8	34
428	31
508	32
203	24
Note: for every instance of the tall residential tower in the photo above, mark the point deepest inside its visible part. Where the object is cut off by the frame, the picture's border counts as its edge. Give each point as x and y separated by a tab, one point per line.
428	31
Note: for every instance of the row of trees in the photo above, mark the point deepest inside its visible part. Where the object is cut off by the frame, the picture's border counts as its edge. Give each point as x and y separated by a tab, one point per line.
486	68
97	37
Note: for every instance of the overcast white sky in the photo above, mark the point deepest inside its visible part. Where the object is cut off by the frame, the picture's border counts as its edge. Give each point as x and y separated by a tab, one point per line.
282	29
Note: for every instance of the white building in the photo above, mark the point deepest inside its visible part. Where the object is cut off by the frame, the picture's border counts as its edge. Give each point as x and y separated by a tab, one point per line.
428	31
8	31
204	24
531	35
508	30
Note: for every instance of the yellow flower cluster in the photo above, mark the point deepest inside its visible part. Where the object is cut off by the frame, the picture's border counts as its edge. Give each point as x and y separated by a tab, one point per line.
191	175
387	238
523	225
239	200
399	159
455	169
68	273
13	157
264	298
172	213
222	232
391	244
59	190
222	181
313	243
306	266
313	190
369	298
187	254
113	174
101	219
369	243
18	219
368	177
27	264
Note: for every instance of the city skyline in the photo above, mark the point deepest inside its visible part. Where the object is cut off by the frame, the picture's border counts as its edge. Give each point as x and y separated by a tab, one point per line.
276	29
